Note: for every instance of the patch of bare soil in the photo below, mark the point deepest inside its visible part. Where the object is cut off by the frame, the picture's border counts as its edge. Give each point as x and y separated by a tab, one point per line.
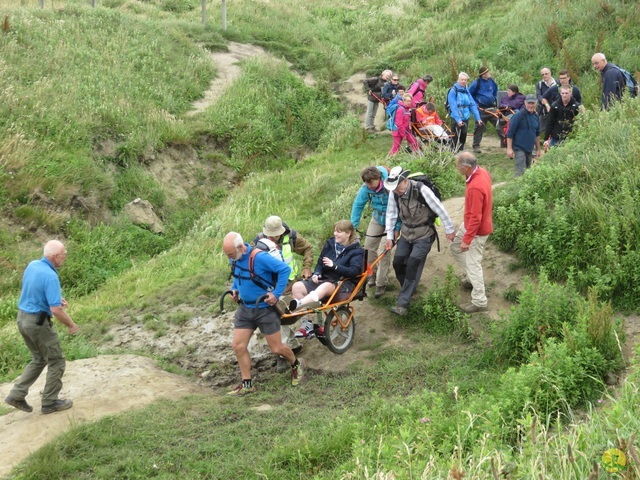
100	386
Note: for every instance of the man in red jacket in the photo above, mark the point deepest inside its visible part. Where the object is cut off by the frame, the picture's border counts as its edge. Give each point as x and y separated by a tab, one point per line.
468	245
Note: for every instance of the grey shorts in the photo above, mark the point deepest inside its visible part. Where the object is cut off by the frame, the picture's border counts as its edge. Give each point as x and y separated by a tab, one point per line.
266	319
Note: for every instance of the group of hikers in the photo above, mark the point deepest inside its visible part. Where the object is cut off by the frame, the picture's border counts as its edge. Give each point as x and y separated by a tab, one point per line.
519	119
276	267
405	209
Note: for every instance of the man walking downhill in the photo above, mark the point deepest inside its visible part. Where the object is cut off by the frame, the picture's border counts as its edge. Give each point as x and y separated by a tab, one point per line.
264	276
523	136
417	206
40	299
289	242
467	247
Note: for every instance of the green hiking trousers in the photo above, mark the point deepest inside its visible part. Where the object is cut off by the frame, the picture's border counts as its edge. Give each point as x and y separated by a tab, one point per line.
42	341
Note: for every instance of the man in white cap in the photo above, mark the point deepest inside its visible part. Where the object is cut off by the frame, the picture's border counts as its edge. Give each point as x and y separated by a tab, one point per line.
417	206
484	91
289	242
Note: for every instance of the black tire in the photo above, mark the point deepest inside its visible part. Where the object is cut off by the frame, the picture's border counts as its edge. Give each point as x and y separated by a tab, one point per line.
337	339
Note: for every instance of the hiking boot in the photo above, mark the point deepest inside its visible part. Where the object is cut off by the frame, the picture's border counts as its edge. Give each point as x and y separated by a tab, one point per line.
297	374
466	284
57	406
19	404
477	149
380	291
471	308
241	391
372	281
305	330
402	311
282	364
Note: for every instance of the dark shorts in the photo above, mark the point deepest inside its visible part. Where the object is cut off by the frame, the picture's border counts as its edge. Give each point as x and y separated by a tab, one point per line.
346	288
266	319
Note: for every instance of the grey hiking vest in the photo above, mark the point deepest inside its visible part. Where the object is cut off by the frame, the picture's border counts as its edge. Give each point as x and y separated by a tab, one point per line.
414	214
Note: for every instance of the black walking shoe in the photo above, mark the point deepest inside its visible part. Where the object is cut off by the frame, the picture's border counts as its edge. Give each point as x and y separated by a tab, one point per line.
58	406
19	404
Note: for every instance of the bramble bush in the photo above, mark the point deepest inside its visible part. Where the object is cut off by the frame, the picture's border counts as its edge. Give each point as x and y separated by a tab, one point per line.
551	311
577	213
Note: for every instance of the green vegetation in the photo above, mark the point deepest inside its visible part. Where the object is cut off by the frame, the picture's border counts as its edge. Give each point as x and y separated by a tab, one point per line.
578	214
91	99
440	404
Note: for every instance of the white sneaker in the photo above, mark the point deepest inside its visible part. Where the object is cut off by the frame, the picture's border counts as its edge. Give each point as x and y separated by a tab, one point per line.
305	330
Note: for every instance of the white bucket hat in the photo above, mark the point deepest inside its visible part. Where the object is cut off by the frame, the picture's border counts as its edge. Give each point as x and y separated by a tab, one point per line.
396	175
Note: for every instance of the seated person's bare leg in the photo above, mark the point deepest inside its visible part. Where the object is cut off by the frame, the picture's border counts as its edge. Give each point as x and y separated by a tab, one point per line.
298	290
324	290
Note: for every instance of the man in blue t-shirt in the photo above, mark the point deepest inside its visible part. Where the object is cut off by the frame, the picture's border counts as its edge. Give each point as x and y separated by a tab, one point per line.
41	299
523	135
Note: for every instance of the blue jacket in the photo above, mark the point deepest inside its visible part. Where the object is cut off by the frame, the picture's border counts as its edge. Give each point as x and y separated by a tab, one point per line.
350	263
378	201
524	127
462	104
270	270
484	92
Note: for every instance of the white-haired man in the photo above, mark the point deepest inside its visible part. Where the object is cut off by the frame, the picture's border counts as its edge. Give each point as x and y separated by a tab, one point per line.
257	274
41	298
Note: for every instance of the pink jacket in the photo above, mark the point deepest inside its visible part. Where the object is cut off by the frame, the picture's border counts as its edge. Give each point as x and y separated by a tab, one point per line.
402	119
417	89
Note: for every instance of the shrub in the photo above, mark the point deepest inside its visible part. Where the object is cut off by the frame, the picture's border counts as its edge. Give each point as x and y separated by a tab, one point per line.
95	254
542	311
440	312
340	133
578	212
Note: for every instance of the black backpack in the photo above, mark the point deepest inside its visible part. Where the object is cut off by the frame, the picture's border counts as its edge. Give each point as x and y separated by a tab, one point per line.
424	179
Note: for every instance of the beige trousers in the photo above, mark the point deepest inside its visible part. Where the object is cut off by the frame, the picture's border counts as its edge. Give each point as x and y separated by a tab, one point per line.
471	264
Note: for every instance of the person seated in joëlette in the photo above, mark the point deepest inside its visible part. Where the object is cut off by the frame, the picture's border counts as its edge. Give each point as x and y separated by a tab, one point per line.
341	257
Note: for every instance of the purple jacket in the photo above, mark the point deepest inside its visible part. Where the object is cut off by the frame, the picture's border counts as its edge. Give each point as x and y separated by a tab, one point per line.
516	102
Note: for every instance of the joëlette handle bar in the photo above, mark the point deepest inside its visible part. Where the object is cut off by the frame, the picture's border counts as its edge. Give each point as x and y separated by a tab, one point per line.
230	292
227	292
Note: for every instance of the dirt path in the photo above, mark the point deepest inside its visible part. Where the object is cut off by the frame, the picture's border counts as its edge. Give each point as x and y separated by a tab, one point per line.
228	68
101	386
